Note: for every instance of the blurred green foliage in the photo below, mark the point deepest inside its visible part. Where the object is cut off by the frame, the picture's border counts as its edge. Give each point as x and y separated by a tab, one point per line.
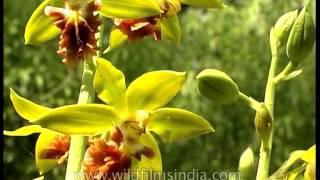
234	40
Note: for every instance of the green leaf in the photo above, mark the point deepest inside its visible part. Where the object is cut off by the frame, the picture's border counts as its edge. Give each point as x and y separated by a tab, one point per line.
27	109
130	9
170	28
117	38
292	75
24	131
204	3
79	119
148	165
45	165
153	90
174	124
39	27
109	82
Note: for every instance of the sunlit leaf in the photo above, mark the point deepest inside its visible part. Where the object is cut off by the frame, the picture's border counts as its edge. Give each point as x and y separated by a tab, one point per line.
204	3
39	27
130	9
153	90
82	119
25	108
310	155
170	29
117	38
44	165
174	124
24	131
109	82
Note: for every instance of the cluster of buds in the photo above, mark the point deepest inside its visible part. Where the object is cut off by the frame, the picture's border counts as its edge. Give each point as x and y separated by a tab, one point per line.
79	25
294	32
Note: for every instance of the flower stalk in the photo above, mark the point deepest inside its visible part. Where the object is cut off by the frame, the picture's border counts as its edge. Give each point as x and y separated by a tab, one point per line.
78	143
249	101
266	146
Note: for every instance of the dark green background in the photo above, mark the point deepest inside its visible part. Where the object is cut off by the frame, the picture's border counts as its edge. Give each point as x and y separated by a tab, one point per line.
234	40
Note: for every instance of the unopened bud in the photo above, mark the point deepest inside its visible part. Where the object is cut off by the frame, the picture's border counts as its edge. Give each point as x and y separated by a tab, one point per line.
282	28
247	164
301	38
217	86
263	122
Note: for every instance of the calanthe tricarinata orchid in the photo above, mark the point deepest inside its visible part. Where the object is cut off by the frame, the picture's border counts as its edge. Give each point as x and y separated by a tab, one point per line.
130	115
162	23
79	20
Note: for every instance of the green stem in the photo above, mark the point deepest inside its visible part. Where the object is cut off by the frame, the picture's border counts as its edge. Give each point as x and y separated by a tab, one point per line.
78	143
87	95
249	101
265	148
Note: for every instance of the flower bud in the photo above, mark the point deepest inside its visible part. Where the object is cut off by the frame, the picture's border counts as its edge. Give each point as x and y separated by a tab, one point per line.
247	164
301	38
217	86
282	28
263	122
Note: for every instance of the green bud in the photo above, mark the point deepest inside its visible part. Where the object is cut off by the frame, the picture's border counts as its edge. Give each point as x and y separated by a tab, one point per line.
301	38
282	28
263	122
247	164
217	86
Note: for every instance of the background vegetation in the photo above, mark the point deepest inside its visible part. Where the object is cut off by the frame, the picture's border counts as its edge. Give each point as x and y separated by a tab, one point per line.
234	40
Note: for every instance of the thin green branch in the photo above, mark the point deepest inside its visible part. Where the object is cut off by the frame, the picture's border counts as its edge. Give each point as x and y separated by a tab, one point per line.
266	146
249	101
